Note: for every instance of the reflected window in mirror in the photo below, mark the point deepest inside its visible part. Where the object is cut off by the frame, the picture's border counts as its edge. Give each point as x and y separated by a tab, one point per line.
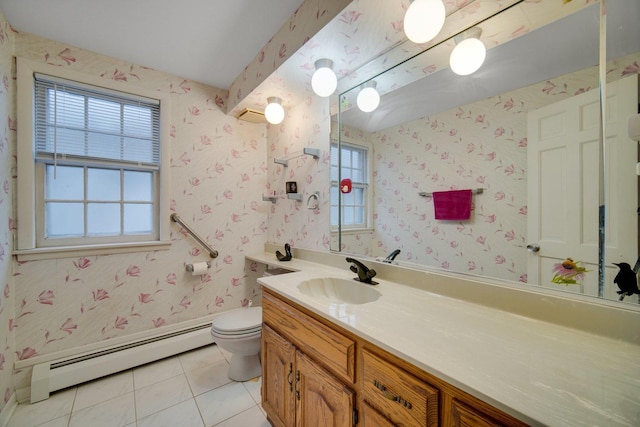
355	204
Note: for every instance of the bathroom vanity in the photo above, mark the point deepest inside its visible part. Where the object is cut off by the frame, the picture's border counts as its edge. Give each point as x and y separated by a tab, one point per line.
408	356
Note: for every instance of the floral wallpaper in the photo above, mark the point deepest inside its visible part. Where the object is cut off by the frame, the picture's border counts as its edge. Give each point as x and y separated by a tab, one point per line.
292	221
218	166
480	145
7	219
310	17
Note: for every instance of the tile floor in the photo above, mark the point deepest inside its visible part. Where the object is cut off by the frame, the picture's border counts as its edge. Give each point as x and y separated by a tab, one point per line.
187	390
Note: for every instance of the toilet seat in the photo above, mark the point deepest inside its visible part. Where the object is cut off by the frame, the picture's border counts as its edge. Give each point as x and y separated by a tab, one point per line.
240	322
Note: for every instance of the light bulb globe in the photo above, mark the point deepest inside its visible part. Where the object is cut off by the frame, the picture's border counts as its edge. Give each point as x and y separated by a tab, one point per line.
274	113
324	82
424	20
467	57
368	99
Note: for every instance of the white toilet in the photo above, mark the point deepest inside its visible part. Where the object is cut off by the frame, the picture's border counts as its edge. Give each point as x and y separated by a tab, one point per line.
239	332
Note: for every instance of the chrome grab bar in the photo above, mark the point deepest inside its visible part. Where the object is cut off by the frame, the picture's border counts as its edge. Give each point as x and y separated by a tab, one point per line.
176	218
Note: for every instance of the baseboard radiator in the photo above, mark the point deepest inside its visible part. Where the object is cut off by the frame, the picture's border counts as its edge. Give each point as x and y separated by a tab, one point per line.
58	374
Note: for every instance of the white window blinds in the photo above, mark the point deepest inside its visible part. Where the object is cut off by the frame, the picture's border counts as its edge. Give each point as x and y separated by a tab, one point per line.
77	122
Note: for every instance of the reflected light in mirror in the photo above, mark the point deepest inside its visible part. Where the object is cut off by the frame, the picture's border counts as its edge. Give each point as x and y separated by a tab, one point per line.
424	20
274	113
469	54
368	98
324	81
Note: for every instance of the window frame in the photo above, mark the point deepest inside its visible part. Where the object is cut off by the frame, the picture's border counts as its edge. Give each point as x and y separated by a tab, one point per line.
367	186
30	197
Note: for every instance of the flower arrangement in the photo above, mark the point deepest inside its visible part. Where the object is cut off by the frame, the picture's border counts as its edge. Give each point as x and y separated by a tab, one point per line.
568	272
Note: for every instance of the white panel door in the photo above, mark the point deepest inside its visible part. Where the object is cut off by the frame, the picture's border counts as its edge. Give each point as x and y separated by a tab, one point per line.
563	186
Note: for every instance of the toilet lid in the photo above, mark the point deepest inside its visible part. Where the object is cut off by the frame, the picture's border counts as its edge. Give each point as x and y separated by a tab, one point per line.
241	320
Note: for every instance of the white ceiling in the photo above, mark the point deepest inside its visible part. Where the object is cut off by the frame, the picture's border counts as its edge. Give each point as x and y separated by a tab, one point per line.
209	41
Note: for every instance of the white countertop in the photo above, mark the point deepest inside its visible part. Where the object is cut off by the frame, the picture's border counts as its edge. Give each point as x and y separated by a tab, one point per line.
542	373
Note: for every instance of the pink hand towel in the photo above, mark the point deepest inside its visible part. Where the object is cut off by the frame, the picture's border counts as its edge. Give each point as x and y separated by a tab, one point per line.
452	205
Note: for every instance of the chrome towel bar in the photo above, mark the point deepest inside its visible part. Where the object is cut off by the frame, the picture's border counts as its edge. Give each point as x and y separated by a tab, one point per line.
212	252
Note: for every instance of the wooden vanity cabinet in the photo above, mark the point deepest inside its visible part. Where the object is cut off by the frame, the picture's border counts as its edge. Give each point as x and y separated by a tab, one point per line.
316	374
306	370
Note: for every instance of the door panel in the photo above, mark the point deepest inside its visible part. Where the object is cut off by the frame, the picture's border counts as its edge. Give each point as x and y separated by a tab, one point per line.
563	153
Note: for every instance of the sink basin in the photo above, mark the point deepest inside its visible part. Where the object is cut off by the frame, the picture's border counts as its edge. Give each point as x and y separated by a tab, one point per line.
337	290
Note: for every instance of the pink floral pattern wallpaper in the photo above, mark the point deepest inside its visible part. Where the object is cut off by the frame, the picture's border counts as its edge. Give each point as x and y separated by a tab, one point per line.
7	219
218	168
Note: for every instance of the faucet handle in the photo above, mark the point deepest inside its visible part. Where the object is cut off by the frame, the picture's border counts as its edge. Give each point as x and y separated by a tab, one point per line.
353	268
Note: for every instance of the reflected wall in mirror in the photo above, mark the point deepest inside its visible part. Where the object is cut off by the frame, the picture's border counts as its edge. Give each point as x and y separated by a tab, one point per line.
524	129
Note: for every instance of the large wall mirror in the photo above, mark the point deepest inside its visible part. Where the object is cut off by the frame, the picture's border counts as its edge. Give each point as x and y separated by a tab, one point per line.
523	133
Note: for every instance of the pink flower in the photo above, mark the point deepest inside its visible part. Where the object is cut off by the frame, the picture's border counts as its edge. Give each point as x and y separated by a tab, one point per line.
228	194
158	322
68	326
119	76
185	302
283	51
349	17
194	252
471	265
82	263
228	259
500	259
171	278
26	353
66	56
219	301
1	361
100	294
133	271
144	298
120	322
46	297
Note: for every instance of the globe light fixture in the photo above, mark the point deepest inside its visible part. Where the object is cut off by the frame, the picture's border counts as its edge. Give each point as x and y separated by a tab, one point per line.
274	113
424	20
324	81
368	98
469	54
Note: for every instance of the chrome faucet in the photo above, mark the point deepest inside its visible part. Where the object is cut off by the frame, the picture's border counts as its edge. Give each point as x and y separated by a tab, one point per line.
364	273
391	256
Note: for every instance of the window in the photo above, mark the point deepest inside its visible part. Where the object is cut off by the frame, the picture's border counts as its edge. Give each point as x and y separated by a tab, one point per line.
354	205
95	157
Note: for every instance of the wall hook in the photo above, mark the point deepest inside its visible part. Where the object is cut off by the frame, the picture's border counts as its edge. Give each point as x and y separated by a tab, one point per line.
311	204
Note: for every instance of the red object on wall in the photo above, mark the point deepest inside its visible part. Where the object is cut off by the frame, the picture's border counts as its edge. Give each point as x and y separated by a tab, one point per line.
345	186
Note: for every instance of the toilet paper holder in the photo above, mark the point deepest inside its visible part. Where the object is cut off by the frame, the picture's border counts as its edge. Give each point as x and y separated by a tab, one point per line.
189	267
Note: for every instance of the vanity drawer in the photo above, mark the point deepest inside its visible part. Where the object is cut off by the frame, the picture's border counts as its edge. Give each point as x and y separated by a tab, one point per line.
401	397
328	347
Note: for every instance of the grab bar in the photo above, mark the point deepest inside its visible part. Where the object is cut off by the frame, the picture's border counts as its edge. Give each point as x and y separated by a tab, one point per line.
176	218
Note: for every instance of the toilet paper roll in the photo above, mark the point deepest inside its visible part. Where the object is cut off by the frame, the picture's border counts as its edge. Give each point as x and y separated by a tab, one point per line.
199	268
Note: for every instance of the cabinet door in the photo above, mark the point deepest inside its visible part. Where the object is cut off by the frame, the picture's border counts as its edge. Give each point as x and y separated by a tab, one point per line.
278	357
372	418
321	399
459	414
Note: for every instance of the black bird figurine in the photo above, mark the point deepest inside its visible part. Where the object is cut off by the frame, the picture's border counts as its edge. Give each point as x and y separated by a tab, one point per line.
287	256
626	280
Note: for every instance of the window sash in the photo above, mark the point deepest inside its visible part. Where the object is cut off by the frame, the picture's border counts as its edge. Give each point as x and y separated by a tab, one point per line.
80	123
43	240
357	161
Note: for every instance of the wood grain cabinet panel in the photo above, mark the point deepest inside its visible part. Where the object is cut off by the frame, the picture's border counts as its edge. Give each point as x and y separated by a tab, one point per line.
369	417
398	395
278	357
328	347
322	400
